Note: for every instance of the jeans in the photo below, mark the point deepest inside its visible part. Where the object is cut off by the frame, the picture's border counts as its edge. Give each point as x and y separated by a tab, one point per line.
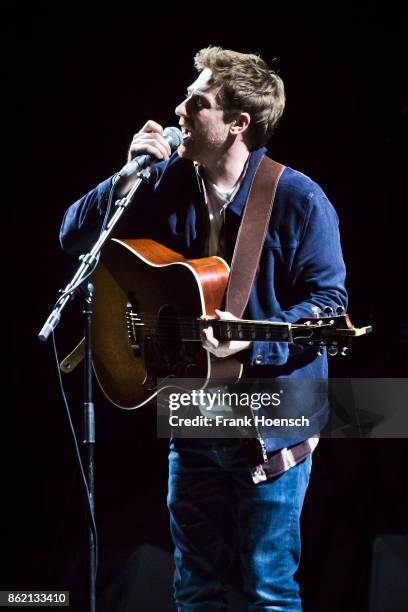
216	510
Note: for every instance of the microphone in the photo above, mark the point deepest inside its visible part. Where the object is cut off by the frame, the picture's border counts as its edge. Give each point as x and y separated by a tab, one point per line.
174	138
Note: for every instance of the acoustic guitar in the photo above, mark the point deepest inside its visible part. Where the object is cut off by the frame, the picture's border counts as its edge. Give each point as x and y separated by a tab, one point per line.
146	323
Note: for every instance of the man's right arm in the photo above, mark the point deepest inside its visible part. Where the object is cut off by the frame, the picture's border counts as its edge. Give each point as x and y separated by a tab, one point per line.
83	220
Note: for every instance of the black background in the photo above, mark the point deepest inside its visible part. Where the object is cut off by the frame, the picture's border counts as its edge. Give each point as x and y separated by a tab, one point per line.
83	81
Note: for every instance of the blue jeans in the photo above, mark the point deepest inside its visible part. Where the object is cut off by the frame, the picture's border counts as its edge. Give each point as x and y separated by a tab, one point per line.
216	508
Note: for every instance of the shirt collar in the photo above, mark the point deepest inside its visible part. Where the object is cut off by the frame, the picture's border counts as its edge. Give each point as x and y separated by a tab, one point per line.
237	204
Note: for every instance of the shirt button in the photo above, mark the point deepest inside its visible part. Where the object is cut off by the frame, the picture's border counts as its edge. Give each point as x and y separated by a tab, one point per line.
258	359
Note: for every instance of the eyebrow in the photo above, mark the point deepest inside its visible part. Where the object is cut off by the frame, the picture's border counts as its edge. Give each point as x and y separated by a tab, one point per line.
197	92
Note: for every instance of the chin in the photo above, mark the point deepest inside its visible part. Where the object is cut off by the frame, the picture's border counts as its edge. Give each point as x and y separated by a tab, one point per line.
182	151
187	152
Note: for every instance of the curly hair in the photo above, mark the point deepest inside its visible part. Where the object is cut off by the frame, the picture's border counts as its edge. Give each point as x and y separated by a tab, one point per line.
247	85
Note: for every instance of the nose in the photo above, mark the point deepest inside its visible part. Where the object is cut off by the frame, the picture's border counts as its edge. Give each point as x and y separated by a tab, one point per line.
181	109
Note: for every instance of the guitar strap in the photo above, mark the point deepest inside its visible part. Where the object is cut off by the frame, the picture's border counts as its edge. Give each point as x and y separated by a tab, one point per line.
247	253
251	234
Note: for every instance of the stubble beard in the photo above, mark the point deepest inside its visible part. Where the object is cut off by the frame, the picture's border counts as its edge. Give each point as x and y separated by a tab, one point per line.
202	147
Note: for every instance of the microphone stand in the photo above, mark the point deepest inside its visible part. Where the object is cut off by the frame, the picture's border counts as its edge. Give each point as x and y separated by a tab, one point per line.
89	443
89	262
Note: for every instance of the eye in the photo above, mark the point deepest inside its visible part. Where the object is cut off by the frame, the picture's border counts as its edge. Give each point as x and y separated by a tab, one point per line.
196	99
199	102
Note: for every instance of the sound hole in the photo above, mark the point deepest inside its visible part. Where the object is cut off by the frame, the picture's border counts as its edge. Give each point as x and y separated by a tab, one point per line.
170	355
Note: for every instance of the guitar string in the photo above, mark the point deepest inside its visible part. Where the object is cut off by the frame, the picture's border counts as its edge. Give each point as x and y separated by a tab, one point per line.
192	320
175	325
172	326
151	323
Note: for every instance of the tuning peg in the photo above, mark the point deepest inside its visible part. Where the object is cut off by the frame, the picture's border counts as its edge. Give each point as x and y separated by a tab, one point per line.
332	350
316	311
340	310
328	310
344	351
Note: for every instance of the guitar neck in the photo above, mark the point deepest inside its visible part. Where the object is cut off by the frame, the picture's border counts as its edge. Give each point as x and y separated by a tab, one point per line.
314	330
240	330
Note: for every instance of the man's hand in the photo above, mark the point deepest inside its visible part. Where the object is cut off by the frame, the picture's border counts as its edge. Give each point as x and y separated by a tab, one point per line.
149	141
222	349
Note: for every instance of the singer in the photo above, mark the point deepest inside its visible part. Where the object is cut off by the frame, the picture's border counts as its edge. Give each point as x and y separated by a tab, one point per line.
225	496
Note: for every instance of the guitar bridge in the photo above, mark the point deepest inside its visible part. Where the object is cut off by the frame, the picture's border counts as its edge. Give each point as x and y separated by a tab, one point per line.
133	324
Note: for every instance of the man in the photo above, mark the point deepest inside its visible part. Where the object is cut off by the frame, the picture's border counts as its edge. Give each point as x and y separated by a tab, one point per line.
193	204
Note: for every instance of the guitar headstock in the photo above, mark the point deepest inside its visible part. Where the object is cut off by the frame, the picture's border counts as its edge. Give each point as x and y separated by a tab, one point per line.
335	331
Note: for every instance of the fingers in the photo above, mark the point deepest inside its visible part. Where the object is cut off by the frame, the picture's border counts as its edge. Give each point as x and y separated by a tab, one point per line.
214	346
224	315
220	314
208	340
152	126
149	141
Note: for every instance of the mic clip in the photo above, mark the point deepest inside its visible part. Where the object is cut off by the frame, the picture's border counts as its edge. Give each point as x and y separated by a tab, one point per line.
145	174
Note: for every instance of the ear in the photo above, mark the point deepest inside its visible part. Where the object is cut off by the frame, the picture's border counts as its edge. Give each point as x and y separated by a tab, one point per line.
240	123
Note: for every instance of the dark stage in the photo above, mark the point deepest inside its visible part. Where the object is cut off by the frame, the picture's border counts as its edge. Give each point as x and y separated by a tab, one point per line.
84	82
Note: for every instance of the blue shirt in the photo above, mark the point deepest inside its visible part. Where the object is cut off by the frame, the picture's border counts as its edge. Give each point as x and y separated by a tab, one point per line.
301	265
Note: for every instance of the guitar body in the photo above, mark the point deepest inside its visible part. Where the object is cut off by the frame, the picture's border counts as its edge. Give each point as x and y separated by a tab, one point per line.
143	294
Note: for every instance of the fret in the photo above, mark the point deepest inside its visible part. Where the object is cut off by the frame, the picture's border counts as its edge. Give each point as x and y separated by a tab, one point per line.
240	331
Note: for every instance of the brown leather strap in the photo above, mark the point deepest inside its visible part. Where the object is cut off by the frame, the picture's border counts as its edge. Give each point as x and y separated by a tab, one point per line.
251	235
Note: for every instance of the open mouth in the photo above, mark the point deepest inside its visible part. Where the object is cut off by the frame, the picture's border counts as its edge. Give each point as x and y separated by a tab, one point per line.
186	132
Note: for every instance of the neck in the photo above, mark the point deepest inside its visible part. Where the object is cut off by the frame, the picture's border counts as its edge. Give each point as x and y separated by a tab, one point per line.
225	171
